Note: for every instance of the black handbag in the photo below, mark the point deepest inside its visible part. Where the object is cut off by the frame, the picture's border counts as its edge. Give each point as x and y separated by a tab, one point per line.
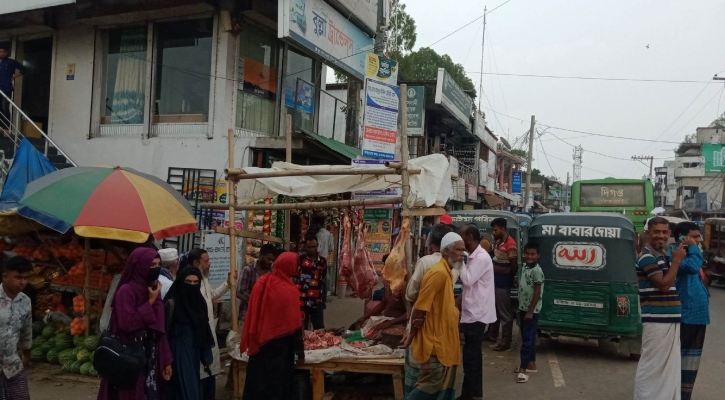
118	362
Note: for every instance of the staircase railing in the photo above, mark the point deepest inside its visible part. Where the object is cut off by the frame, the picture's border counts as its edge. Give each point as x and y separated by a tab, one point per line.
10	127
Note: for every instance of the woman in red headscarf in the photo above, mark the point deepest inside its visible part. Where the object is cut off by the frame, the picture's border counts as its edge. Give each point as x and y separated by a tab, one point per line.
138	314
272	333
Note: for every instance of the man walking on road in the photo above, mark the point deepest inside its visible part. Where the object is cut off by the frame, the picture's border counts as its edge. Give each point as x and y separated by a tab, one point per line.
17	330
695	303
434	327
658	372
478	308
9	70
505	264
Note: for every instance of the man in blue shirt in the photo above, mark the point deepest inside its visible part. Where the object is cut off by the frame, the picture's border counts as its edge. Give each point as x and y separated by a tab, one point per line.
9	70
695	304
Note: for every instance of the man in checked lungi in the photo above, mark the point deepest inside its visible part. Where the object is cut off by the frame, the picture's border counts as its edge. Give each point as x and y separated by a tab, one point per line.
695	303
434	326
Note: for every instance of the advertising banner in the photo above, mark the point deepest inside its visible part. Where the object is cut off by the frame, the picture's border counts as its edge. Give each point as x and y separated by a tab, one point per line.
315	25
714	157
416	110
217	245
11	6
372	194
453	98
381	69
379	228
516	182
381	120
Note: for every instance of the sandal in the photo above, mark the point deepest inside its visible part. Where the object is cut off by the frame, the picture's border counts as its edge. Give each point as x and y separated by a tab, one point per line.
524	371
522	378
500	347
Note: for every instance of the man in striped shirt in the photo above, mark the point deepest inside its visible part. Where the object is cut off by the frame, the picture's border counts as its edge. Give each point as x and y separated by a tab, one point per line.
658	371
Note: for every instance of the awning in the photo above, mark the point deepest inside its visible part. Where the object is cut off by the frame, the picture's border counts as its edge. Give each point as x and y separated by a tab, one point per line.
493	201
509	196
332	144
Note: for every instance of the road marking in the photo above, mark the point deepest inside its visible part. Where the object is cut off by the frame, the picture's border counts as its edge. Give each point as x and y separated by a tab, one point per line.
554	366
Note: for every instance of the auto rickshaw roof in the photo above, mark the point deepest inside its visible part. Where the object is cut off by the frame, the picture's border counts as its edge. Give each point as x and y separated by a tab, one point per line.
597	219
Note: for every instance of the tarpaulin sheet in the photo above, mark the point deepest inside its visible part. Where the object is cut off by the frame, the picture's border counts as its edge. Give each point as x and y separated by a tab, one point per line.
431	187
28	165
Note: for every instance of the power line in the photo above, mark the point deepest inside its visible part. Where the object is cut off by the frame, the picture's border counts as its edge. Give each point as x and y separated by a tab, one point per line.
591	78
693	117
546	156
589	151
606	136
500	85
457	30
583	167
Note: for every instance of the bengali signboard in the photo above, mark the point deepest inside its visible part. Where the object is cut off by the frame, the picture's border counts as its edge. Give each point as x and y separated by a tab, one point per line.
315	25
714	155
416	110
381	120
381	69
620	194
516	182
217	245
451	97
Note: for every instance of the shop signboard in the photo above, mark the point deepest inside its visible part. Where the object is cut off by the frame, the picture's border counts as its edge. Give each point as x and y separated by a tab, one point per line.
381	120
491	171
516	182
316	26
379	229
217	245
364	10
714	157
373	194
451	97
11	6
416	110
381	69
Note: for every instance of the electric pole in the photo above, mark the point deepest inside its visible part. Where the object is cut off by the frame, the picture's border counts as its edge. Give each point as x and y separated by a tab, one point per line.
642	158
577	163
566	192
722	200
528	163
483	42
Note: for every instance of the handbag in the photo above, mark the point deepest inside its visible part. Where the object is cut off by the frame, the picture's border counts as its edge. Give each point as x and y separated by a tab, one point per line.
118	362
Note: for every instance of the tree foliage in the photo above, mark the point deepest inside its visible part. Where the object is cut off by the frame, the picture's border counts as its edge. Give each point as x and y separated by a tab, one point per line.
719	122
423	64
401	34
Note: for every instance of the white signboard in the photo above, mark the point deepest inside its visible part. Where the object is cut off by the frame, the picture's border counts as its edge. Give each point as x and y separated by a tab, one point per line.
491	170
374	194
381	120
11	6
482	173
574	303
217	246
365	10
315	25
574	255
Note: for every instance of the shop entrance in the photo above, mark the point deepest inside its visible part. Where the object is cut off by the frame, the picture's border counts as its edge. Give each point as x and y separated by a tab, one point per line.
37	57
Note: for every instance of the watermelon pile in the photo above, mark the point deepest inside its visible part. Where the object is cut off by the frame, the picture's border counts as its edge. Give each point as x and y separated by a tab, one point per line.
55	345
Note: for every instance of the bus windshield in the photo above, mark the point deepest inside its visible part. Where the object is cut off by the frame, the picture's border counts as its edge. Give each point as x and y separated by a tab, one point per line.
631	197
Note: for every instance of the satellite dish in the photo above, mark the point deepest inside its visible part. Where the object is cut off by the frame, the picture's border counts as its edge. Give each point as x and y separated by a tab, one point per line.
506	143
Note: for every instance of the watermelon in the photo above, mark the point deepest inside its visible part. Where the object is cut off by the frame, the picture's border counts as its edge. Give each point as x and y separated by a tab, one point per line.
67	366
83	355
78	340
38	328
91	342
86	367
93	353
75	368
48	332
52	356
75	352
37	355
65	356
63	341
47	346
92	371
39	342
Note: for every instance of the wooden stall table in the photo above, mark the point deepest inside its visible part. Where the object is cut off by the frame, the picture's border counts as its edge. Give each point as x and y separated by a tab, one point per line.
387	366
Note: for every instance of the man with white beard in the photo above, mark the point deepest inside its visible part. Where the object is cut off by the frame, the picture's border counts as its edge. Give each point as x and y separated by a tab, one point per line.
434	326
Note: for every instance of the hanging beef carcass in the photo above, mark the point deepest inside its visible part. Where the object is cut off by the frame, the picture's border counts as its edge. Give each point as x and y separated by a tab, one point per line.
346	255
363	267
396	266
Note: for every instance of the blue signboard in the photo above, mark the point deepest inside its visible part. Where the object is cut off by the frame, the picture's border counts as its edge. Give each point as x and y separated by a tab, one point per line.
516	182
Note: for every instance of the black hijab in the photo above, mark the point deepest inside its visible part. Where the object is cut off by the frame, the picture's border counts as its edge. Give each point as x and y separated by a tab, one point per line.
190	307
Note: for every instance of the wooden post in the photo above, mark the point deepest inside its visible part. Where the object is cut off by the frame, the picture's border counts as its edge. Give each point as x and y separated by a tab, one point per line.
232	199
404	177
288	158
87	286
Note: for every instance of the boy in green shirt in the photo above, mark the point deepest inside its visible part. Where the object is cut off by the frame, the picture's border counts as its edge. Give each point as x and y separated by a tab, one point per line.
531	288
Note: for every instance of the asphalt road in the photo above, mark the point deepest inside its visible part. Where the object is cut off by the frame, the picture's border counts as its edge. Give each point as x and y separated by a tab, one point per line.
584	371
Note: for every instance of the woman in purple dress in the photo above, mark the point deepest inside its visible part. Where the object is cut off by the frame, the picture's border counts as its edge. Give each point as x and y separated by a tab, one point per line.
138	314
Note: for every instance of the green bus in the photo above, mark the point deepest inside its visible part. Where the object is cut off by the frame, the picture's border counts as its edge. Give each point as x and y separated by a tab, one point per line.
632	197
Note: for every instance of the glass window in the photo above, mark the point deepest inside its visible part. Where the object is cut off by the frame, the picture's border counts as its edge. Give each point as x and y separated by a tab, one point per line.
183	71
299	90
258	72
125	76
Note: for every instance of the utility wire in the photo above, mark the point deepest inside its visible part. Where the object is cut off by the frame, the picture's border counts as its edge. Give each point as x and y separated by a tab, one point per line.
591	78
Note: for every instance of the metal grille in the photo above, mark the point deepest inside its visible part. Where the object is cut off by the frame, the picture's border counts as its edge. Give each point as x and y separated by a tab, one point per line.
198	186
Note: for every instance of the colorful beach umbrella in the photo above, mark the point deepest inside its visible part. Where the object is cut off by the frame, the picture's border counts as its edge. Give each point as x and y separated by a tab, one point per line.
108	203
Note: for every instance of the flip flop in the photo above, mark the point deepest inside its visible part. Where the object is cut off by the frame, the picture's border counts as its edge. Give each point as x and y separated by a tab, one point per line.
522	378
518	370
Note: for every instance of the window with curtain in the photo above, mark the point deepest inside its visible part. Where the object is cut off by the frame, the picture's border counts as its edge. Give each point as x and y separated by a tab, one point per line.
257	80
299	90
183	71
125	76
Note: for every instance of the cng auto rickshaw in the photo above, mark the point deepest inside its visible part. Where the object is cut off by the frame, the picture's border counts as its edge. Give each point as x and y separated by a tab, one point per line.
590	278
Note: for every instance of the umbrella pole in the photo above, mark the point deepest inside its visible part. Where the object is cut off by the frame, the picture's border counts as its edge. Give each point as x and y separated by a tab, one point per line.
87	286
232	199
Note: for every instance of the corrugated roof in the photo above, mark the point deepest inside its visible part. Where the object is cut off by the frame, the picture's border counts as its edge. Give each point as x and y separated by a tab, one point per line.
332	144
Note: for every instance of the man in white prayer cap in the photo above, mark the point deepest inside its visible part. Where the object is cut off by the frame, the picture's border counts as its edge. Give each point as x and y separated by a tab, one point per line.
433	337
169	268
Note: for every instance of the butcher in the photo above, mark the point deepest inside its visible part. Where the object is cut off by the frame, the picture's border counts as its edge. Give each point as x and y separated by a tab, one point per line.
391	311
311	282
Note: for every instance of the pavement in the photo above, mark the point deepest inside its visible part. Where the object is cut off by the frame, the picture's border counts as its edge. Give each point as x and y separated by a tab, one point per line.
567	371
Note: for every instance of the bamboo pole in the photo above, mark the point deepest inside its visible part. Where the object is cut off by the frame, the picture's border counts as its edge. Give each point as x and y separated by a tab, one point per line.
87	286
306	206
288	213
239	174
231	199
405	181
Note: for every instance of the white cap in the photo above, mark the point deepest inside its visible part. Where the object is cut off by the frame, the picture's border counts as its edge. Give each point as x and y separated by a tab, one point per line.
449	239
168	254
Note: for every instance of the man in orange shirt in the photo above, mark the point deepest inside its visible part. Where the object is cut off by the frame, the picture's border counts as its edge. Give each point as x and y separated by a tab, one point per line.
434	326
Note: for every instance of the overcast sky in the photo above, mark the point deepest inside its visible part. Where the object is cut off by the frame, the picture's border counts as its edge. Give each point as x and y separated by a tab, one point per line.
590	39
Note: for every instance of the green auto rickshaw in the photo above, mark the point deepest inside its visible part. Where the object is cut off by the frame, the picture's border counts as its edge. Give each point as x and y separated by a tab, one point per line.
590	278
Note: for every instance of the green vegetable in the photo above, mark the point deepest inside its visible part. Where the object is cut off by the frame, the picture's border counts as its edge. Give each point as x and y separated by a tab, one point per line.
91	342
86	367
52	356
48	332
83	355
65	356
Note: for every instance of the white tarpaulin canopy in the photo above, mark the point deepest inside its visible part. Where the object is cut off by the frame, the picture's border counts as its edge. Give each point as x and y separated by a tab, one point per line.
431	187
